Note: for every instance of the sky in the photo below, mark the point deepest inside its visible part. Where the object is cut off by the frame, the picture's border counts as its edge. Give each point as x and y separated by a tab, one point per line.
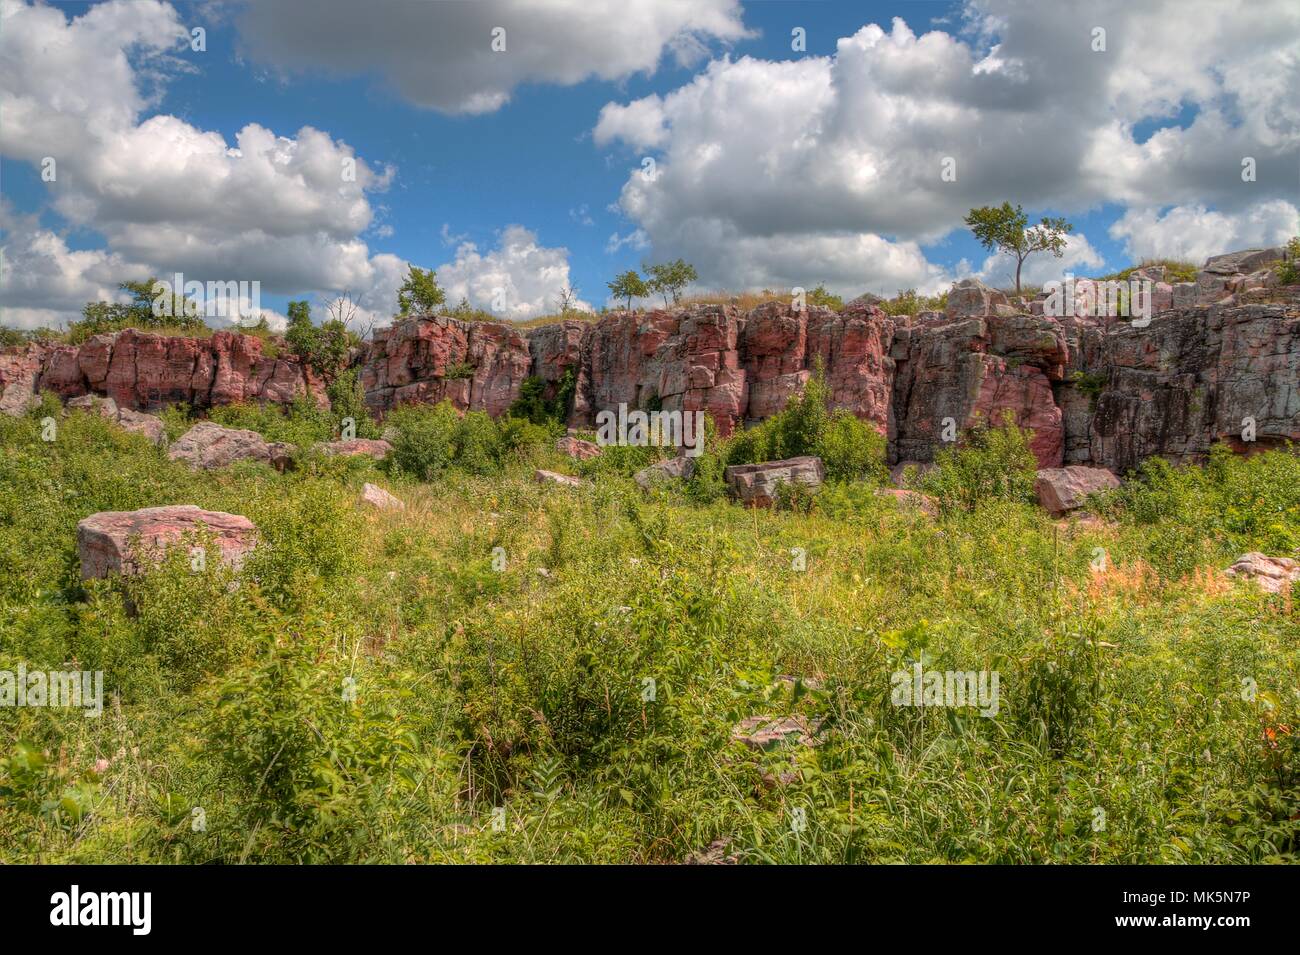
322	146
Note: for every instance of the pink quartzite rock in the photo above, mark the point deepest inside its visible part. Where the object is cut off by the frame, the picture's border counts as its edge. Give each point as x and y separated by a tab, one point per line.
377	497
137	422
756	485
122	542
208	445
1273	574
551	477
355	447
577	448
662	472
1061	490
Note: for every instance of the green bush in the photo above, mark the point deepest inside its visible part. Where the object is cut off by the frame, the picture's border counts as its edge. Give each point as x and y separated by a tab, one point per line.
348	400
850	449
989	463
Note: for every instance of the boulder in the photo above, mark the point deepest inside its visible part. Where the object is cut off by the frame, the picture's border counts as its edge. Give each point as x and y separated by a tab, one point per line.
1273	574
137	422
756	485
766	732
122	542
551	477
376	496
355	447
670	469
576	448
1061	490
971	298
208	445
1246	260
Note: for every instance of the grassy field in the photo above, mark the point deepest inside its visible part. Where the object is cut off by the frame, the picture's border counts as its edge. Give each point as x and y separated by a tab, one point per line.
390	687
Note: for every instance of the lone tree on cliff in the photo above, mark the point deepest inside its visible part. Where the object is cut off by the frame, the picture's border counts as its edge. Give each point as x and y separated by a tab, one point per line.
1003	228
420	293
670	279
629	285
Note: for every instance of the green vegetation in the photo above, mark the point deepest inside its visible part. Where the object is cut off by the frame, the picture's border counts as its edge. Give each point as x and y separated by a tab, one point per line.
420	293
379	683
908	302
1004	229
323	347
1177	270
1288	270
628	286
850	449
532	405
669	279
178	314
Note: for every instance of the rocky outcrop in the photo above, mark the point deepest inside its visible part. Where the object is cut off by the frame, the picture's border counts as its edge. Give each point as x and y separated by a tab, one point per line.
125	542
1094	388
757	485
144	371
208	445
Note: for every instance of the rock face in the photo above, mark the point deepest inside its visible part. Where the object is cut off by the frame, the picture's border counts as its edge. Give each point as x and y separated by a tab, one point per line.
142	371
1217	362
1273	574
137	422
208	445
756	485
355	447
122	542
1061	490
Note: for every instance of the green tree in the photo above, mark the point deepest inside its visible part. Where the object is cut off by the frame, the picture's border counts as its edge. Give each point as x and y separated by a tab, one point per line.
670	278
152	306
324	348
420	293
629	285
1004	229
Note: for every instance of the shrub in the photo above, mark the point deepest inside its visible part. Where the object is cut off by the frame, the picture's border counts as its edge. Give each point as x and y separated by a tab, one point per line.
425	440
850	449
1288	270
348	400
989	464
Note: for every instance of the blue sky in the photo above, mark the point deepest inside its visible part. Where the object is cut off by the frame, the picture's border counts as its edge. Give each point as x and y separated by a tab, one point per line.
535	163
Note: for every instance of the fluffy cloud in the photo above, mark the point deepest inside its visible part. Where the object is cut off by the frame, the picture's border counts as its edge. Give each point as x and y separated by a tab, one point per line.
1194	232
518	280
1077	258
835	162
441	56
45	280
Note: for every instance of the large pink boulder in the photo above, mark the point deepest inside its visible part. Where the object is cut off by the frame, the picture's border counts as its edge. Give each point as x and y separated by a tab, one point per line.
1061	490
757	485
208	445
122	542
577	449
136	422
